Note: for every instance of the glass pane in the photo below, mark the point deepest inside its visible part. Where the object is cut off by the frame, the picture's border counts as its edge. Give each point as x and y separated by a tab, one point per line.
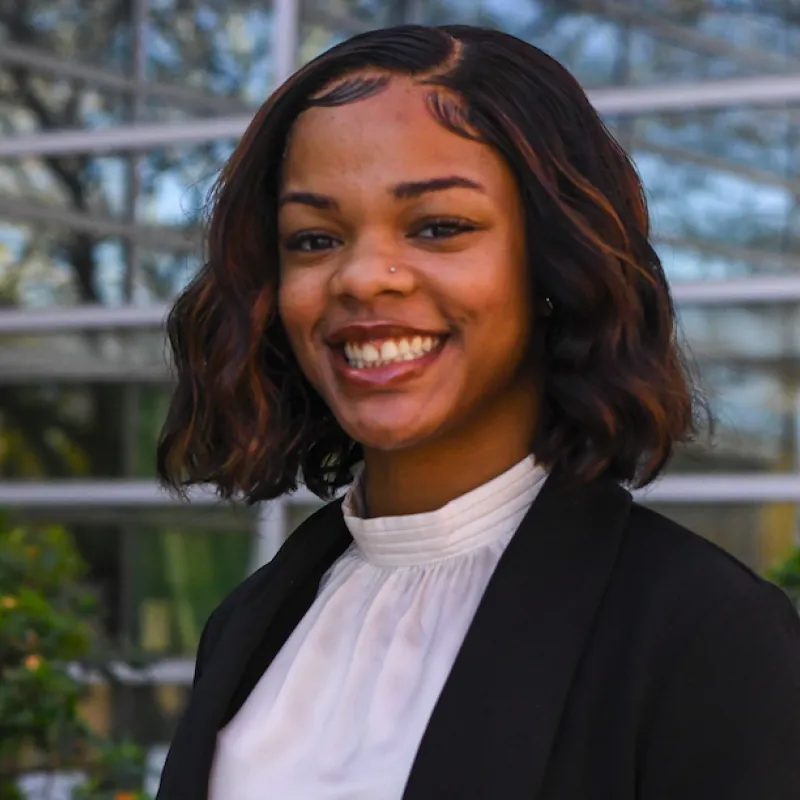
179	575
145	714
161	275
83	430
618	44
177	103
52	431
40	197
759	535
41	266
158	573
46	266
31	102
152	403
749	363
176	182
723	188
221	48
95	33
95	187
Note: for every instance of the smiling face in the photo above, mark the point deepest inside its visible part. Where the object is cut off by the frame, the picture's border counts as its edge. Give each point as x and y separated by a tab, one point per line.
404	287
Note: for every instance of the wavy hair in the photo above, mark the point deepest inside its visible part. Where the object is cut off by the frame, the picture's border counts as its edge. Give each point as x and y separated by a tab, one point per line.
615	395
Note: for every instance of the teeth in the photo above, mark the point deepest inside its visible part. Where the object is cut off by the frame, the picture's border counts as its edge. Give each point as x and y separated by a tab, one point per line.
374	354
389	351
370	354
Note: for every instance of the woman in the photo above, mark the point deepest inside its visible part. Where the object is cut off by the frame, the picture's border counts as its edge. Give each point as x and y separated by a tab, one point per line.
428	256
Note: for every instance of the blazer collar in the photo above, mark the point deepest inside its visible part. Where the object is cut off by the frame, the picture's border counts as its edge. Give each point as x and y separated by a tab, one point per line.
521	652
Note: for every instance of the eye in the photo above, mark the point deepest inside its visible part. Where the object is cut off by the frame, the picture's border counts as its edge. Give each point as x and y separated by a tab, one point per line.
310	242
444	228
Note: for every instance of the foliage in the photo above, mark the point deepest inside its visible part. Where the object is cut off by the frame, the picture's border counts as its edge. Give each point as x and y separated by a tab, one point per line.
46	625
787	576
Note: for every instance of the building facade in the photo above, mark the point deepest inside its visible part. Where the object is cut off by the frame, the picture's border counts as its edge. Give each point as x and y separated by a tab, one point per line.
115	117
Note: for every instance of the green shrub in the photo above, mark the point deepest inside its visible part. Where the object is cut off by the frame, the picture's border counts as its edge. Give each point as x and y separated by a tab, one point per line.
48	622
787	576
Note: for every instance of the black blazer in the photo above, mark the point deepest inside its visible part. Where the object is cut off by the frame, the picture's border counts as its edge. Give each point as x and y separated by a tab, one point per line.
614	656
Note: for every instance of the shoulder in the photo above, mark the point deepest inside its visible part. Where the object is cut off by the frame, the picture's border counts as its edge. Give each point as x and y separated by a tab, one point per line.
653	538
722	668
699	591
291	549
668	549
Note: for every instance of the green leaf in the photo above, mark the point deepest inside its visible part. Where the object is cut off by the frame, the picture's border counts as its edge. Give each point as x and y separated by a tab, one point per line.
47	618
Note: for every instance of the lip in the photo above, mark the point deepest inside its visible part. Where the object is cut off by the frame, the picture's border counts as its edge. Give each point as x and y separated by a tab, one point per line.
385	376
379	329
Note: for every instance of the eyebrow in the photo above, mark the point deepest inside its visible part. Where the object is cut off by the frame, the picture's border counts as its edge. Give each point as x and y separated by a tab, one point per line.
312	199
408	190
414	189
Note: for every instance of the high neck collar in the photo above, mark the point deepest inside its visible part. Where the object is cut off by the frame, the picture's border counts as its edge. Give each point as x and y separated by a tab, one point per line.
484	515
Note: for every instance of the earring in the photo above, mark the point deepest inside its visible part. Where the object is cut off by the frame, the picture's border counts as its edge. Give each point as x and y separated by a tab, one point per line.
549	303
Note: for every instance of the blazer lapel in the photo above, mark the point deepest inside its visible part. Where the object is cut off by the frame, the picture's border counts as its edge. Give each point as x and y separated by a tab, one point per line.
322	538
491	732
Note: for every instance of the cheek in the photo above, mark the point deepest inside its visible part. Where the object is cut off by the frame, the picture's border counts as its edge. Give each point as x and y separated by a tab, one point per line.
497	342
496	303
300	302
299	310
511	293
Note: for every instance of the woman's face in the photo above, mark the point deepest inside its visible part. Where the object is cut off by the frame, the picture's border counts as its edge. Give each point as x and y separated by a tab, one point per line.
403	280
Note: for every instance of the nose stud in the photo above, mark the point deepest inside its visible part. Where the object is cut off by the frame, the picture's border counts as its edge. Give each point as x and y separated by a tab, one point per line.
392	270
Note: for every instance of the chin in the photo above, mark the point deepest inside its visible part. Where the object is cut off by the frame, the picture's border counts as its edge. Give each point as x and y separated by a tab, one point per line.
390	435
393	426
385	440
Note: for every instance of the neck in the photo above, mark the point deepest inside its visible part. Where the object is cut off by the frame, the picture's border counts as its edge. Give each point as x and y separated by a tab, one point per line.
421	479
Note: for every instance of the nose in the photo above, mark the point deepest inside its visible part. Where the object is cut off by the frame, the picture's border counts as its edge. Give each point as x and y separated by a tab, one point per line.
369	271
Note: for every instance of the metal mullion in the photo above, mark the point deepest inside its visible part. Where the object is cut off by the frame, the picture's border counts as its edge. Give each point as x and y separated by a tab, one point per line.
82	318
172	671
140	13
123	713
714	162
156	236
272	530
764	90
688	38
761	289
160	377
286	38
697	487
181	96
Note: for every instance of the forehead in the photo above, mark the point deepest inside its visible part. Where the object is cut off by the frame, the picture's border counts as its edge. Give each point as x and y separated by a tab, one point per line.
391	131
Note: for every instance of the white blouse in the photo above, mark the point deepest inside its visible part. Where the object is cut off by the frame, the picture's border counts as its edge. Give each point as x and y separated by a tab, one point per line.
340	712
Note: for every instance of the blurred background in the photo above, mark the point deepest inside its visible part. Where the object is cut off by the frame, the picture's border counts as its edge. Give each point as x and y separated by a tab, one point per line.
115	117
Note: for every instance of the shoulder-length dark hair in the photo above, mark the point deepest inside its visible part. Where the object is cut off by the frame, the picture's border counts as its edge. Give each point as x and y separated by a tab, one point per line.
615	396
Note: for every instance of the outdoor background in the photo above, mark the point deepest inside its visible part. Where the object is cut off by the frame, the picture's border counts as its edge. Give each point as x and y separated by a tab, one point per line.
115	116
